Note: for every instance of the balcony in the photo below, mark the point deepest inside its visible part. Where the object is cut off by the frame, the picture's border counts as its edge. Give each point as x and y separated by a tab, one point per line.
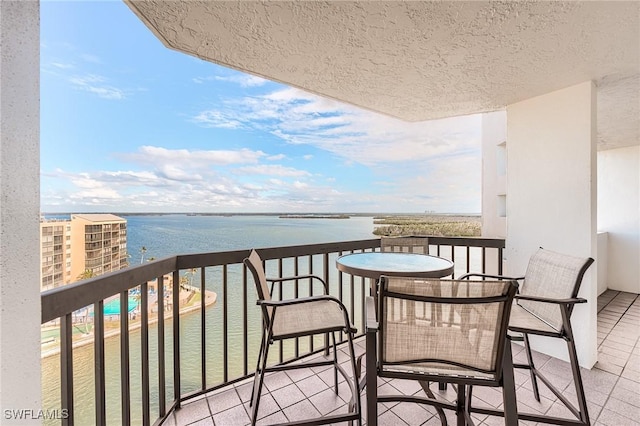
197	366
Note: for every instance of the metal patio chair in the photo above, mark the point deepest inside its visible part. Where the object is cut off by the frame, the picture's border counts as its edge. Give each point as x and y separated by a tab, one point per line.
468	347
543	307
305	316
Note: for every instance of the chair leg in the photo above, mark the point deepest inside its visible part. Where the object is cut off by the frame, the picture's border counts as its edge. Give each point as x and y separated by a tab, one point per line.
335	362
257	390
371	380
355	398
532	368
460	408
577	379
255	376
440	411
509	388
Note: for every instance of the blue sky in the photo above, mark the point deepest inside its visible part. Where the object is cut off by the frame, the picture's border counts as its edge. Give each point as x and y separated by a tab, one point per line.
128	125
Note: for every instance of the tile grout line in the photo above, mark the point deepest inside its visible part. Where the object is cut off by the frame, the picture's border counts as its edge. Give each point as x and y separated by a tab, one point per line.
620	316
604	405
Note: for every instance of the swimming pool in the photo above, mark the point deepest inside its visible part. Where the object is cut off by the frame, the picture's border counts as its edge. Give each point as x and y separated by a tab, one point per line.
112	307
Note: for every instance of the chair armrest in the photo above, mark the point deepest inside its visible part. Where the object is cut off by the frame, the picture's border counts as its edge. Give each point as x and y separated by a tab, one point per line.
370	310
276	303
299	277
497	277
571	301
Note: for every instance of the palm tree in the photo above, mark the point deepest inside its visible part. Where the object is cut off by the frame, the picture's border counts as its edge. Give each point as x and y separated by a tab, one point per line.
191	272
88	273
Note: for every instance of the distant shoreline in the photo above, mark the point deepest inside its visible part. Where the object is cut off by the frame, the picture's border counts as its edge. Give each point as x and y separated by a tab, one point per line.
228	214
314	216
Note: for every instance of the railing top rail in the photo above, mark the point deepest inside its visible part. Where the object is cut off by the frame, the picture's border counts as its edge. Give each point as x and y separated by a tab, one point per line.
63	300
199	260
459	241
67	299
468	241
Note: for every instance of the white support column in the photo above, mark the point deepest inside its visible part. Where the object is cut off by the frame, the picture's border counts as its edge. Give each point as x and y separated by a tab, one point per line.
551	203
19	211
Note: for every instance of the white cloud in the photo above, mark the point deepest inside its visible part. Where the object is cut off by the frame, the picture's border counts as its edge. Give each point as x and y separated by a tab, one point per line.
195	159
149	191
187	180
276	157
88	57
61	65
217	119
354	134
272	170
244	80
96	84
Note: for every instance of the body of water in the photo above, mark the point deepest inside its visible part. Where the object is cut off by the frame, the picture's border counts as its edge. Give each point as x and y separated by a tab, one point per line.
168	235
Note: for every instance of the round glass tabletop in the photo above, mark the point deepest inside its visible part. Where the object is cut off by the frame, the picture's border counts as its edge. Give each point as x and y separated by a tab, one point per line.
375	264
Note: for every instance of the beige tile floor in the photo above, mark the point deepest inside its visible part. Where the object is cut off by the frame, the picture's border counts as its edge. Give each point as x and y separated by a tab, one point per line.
612	387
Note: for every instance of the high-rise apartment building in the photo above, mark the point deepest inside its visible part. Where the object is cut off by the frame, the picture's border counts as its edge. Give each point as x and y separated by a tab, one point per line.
98	244
86	245
55	253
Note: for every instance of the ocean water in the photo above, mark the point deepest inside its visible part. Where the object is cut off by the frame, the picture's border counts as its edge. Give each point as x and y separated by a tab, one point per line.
168	235
181	234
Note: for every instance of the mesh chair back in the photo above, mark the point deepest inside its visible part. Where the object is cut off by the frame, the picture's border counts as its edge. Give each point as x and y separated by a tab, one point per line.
444	327
418	245
254	263
554	276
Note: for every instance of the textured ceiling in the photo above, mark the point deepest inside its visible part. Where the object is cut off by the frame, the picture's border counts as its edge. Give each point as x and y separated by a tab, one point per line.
422	60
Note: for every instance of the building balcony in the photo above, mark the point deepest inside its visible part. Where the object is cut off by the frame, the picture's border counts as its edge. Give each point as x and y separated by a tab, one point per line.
196	367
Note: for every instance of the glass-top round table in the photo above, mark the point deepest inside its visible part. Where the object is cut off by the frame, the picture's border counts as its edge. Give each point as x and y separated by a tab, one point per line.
375	264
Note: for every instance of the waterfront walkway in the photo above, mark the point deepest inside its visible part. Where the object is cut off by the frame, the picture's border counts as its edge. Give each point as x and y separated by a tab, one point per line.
82	330
612	386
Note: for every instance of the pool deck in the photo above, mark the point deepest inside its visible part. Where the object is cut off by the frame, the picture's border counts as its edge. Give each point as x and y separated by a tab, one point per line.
51	344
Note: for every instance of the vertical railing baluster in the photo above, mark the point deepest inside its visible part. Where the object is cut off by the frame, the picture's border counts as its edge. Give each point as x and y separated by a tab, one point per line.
325	276
162	390
125	385
66	369
225	322
296	293
500	261
245	320
99	372
363	289
203	334
340	292
453	258
280	343
352	307
310	294
484	260
144	341
468	259
176	338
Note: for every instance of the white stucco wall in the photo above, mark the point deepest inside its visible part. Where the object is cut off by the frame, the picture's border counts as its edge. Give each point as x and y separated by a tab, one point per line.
19	209
551	199
602	259
494	136
619	215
